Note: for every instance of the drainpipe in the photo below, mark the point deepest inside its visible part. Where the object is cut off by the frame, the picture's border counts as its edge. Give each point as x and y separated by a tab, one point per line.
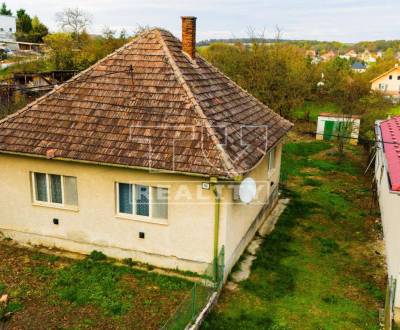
217	207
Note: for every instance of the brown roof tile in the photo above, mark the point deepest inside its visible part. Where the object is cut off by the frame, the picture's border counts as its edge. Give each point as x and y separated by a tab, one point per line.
149	105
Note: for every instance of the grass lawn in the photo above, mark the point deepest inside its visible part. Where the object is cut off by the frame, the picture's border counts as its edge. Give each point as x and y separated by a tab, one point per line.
50	292
395	111
313	109
320	268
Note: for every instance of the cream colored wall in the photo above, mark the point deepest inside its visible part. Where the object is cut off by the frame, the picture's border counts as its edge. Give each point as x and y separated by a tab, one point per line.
393	85
185	242
389	203
240	217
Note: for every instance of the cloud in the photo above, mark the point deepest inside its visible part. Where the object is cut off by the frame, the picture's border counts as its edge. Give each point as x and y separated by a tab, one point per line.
344	20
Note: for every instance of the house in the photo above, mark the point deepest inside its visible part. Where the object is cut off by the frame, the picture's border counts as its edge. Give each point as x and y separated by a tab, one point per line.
365	55
311	53
328	56
8	28
143	156
349	55
388	83
333	125
358	67
387	177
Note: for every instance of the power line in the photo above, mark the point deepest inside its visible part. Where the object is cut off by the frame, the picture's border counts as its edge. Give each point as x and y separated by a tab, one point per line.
130	70
79	80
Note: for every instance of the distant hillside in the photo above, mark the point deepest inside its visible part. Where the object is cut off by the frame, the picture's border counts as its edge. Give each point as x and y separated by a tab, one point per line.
372	46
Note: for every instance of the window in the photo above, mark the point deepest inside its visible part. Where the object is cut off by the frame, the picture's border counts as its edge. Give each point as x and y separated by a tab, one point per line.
142	200
160	202
55	189
390	77
398	77
10	29
272	159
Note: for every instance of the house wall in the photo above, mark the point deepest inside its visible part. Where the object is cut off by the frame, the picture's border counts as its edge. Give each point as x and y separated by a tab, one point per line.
389	203
184	242
392	87
240	218
8	28
321	127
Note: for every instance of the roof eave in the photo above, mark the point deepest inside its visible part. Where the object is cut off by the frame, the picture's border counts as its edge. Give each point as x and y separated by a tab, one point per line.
146	169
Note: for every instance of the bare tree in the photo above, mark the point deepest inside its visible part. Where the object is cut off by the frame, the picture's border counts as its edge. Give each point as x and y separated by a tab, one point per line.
278	33
74	20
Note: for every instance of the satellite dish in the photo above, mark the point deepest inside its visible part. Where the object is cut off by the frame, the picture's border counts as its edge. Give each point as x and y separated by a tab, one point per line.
247	190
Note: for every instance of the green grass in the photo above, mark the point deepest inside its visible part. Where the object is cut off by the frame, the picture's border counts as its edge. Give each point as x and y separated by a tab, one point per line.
92	282
395	111
309	273
313	110
69	294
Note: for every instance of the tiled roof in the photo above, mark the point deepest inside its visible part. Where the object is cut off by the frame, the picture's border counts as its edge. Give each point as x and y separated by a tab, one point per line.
148	93
390	130
396	68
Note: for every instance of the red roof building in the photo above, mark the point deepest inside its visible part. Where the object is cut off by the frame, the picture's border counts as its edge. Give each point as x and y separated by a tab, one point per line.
390	133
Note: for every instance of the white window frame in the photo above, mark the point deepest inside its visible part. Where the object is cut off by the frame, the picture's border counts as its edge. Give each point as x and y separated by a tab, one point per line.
134	216
48	191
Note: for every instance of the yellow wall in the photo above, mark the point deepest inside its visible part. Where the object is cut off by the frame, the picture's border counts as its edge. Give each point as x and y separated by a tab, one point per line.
240	217
185	241
393	85
187	236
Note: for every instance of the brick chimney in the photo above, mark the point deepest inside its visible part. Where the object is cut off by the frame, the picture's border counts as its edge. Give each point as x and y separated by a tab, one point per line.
189	35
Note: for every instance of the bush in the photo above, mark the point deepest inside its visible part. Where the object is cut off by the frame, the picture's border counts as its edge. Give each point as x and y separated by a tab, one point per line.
97	256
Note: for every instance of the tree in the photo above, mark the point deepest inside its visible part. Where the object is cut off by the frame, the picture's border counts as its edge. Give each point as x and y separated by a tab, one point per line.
39	30
24	22
62	47
74	20
4	10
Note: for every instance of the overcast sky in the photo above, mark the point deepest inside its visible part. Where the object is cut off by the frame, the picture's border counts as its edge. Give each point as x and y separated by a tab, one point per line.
342	20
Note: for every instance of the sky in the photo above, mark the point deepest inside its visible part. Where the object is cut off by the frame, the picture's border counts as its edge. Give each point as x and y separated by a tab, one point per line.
340	20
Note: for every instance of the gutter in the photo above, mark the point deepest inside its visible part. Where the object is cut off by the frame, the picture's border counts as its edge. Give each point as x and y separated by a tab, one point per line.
217	211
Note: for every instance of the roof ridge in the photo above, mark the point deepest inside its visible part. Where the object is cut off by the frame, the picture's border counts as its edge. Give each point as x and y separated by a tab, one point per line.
215	69
225	157
385	73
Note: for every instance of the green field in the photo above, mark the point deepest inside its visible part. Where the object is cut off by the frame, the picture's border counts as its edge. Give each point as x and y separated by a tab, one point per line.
311	110
51	292
319	269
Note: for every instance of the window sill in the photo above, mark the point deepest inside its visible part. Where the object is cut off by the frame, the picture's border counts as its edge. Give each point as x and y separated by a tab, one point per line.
55	206
149	220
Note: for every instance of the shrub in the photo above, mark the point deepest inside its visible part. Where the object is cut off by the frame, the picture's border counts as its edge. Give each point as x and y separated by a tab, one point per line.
97	256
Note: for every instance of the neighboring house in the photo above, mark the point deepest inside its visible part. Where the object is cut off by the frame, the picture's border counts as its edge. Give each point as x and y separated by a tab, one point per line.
141	156
388	83
358	67
387	177
332	125
365	56
328	56
349	55
311	53
8	28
